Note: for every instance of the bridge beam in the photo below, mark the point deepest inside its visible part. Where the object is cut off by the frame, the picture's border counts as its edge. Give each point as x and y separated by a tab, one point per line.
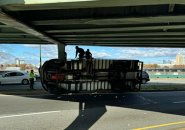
63	4
14	23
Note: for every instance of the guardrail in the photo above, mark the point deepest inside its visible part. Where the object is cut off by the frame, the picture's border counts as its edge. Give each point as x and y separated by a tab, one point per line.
167	76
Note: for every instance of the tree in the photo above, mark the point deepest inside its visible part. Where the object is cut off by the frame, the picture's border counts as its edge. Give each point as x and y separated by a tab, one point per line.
150	66
166	67
179	66
22	66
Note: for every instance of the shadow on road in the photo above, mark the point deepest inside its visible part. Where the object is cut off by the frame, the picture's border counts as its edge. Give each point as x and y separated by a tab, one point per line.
93	106
87	116
19	89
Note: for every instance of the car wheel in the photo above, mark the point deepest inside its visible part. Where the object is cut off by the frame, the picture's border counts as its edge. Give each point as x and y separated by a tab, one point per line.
144	81
25	81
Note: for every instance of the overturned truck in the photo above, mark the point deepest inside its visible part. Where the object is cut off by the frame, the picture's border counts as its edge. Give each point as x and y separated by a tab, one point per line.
97	75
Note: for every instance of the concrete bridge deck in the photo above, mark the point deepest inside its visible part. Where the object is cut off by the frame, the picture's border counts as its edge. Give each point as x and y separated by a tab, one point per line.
146	23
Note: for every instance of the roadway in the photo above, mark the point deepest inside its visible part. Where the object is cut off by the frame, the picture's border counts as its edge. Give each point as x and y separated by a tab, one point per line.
125	111
42	111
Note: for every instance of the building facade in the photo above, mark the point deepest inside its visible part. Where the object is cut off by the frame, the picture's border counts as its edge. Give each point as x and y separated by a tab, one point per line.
179	59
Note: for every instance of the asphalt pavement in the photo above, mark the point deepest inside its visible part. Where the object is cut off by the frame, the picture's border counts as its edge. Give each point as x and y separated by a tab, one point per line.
23	109
139	111
37	85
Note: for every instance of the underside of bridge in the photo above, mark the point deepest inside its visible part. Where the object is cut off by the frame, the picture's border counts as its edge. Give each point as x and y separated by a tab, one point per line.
145	23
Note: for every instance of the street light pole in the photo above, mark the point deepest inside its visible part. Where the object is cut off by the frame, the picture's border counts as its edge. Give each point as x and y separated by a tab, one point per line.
40	56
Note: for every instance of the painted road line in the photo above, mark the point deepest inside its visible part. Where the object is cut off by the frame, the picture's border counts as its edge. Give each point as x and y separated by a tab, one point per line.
161	125
179	102
29	114
3	95
33	95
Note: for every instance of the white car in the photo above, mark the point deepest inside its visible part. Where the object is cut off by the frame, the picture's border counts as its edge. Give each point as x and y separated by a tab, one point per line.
11	77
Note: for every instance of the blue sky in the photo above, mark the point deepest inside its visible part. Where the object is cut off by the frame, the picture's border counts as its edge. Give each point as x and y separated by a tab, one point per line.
30	53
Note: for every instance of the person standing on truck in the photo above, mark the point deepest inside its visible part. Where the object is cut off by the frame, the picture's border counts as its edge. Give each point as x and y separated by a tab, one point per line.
65	56
79	51
31	77
88	57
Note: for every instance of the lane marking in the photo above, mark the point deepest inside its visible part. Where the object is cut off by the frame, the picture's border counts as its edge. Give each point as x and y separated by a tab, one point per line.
161	125
29	114
179	102
2	95
36	95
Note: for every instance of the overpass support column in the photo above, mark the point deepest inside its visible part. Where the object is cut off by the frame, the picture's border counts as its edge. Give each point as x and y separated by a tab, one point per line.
61	52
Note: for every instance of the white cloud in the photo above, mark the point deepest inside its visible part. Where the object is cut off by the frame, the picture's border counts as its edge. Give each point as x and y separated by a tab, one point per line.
69	48
6	48
48	51
144	54
100	54
6	58
31	45
148	52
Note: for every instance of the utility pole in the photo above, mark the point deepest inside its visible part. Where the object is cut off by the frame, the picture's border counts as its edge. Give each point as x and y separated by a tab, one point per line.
40	56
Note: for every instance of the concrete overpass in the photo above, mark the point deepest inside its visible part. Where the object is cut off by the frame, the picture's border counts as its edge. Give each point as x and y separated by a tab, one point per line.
138	23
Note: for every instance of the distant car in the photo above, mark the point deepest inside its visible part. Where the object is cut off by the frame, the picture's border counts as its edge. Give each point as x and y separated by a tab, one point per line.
145	77
12	77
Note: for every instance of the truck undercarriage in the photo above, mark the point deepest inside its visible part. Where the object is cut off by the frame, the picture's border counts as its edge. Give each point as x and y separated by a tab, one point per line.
96	75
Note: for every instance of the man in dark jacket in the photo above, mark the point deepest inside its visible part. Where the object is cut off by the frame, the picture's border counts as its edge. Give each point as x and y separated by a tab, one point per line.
80	51
88	55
